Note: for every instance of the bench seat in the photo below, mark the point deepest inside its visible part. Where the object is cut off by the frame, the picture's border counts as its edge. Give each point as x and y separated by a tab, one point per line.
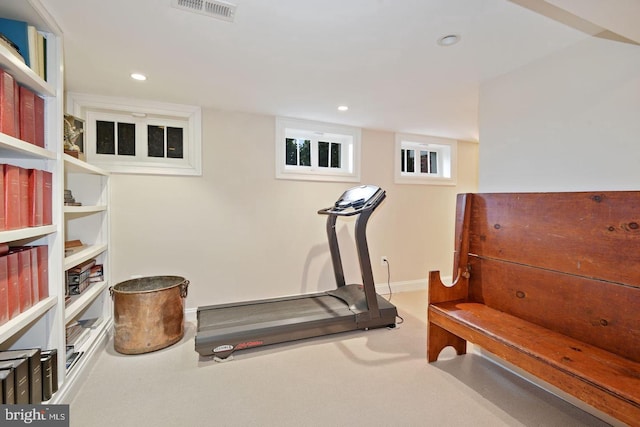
596	375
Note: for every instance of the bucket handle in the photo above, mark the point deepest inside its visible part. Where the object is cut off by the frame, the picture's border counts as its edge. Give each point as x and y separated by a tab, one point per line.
184	286
111	291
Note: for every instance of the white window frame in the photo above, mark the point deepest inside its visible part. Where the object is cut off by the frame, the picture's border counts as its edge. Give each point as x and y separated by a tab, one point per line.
348	137
141	113
447	150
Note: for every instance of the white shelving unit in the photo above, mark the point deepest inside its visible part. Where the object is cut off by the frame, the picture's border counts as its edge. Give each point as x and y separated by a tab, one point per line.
43	325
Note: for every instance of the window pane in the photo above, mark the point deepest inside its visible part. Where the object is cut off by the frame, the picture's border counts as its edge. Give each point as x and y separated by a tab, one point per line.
155	141
291	156
335	155
105	137
174	143
433	162
305	152
126	139
411	161
402	161
323	154
424	161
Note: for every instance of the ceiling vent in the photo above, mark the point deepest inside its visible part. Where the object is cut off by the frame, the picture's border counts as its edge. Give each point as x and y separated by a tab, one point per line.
216	9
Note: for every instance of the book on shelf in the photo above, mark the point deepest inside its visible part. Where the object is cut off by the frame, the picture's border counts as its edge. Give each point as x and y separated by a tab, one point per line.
27	115
24	197
49	366
11	197
43	271
47	195
4	291
11	47
13	285
7	104
18	33
7	396
24	276
20	370
36	197
91	323
72	359
76	336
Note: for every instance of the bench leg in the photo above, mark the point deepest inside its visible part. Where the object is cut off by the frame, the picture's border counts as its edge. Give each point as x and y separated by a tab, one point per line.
439	338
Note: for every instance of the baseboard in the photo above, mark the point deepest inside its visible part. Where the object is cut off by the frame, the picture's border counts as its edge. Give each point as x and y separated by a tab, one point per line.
190	314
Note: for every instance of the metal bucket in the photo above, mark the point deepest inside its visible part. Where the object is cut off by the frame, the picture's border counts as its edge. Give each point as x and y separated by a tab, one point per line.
148	313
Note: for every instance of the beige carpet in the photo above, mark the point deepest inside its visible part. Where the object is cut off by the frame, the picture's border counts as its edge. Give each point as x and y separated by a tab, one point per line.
373	378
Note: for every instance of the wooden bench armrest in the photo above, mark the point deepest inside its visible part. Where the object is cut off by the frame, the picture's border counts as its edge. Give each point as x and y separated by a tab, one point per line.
439	292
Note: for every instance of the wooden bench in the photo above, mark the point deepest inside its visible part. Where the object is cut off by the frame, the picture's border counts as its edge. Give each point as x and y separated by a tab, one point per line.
549	282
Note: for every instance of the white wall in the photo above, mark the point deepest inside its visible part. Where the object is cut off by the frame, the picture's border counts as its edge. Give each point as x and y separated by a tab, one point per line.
568	122
237	233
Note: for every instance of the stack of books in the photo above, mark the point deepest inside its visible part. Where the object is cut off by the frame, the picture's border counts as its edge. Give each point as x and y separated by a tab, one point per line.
28	376
69	200
27	197
24	278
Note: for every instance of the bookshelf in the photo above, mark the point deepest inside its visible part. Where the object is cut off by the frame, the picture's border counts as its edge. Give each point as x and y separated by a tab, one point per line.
43	325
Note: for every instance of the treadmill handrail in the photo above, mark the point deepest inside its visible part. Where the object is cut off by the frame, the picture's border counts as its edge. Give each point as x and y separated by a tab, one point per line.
338	212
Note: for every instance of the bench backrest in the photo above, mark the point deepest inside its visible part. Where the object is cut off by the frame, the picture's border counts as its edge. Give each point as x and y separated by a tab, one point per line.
567	261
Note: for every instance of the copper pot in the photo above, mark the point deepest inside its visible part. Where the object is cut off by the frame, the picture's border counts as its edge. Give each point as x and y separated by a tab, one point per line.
148	313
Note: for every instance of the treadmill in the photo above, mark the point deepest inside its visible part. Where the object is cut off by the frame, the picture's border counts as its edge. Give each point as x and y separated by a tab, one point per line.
226	328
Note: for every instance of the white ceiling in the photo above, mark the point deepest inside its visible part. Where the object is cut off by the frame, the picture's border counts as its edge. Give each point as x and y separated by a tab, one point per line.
304	58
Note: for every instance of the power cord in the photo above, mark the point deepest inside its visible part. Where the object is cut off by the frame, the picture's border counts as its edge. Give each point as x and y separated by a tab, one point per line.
386	261
390	291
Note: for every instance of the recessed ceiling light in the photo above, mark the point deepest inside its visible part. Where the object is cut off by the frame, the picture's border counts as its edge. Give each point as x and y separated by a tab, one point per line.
343	108
449	40
138	76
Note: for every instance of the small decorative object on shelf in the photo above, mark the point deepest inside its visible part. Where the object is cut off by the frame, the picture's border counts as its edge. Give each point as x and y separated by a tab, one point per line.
69	200
74	136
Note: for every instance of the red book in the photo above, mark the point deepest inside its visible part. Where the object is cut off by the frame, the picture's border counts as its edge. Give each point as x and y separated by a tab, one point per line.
47	194
43	271
4	291
3	225
39	120
27	115
16	108
7	104
13	284
36	197
24	274
24	197
35	286
11	197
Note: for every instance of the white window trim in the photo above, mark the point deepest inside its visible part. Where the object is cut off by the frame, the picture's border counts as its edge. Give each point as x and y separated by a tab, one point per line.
350	153
447	159
191	165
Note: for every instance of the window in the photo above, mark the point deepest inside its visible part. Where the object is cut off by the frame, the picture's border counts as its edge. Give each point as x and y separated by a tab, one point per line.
316	151
130	136
425	160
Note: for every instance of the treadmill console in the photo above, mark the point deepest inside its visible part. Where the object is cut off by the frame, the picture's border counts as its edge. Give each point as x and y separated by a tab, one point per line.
357	198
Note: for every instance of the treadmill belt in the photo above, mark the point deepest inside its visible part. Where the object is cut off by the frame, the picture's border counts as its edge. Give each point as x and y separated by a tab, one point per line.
261	312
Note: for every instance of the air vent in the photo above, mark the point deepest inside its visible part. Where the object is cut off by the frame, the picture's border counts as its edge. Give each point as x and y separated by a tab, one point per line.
216	9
